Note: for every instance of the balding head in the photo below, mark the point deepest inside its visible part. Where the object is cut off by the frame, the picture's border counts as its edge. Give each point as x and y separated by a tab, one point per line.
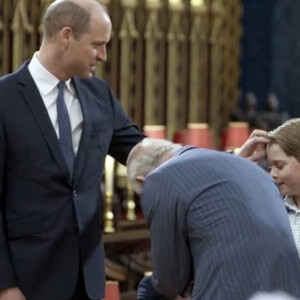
75	14
145	157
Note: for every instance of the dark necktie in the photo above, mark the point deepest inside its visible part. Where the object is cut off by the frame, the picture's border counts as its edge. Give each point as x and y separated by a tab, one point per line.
64	126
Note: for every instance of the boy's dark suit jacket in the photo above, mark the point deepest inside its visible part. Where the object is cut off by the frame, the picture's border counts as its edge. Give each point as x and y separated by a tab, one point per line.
50	222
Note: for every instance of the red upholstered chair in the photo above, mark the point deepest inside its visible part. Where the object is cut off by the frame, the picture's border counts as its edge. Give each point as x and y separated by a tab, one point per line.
155	131
236	135
112	290
199	135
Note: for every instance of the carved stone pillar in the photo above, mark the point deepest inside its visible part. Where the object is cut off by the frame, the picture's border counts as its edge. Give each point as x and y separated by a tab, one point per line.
198	81
177	62
155	49
130	53
5	37
235	41
216	65
21	27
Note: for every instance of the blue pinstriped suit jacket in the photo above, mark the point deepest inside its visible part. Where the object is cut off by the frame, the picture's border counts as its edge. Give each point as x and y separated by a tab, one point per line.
218	220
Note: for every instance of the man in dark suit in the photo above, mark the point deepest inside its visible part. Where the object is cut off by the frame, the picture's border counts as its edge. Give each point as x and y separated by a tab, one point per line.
51	211
217	221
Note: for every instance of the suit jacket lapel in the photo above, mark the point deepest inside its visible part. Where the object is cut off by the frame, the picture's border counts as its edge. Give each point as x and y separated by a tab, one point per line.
83	97
40	114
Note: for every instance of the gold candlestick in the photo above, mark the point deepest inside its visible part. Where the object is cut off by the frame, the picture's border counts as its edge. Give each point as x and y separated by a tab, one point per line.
130	205
121	176
108	215
109	191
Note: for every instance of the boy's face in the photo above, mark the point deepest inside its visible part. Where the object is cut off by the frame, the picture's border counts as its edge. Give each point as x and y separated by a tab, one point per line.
285	170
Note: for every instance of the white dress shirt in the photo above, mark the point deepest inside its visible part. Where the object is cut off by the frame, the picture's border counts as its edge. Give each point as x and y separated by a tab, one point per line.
294	217
47	86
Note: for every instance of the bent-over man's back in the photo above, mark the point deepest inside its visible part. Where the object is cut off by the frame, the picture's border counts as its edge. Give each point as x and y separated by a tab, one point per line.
218	220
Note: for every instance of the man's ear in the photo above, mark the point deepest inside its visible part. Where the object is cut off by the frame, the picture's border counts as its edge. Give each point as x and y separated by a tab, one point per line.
66	34
140	178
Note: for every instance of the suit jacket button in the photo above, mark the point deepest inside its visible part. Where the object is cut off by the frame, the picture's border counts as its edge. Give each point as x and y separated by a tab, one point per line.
74	193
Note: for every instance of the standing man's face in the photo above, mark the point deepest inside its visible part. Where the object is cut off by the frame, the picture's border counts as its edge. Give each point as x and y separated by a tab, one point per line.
82	55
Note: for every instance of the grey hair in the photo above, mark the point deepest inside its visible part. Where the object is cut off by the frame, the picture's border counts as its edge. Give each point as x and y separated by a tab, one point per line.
145	157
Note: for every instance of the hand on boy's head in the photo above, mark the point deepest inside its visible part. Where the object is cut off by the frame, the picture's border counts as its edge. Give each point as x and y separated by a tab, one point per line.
258	133
255	147
181	298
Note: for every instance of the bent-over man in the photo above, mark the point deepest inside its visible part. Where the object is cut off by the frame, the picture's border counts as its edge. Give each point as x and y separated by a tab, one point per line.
216	220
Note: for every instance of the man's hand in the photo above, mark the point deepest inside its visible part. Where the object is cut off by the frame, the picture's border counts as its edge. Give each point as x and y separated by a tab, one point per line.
180	298
13	293
255	147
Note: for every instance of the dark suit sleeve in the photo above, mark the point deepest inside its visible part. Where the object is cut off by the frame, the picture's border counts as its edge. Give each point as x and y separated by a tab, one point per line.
7	277
146	291
125	135
166	216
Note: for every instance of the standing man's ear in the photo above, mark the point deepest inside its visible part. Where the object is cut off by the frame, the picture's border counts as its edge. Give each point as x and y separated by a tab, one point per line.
140	178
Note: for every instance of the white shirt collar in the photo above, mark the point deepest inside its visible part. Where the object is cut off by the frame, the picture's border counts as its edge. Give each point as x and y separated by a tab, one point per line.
45	81
290	203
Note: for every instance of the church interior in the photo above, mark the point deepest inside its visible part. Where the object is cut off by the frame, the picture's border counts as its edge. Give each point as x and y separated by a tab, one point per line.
197	72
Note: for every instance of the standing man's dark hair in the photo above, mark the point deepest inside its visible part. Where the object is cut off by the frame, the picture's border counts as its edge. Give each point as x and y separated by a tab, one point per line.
66	14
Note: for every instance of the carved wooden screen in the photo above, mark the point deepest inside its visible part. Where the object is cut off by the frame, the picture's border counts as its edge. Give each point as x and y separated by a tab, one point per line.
171	62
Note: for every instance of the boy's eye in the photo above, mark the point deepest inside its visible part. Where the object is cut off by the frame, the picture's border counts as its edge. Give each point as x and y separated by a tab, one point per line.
276	166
